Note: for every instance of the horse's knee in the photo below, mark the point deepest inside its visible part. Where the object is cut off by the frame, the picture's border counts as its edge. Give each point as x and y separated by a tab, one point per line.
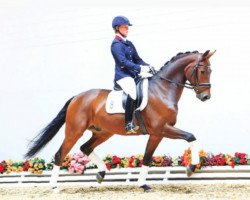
189	137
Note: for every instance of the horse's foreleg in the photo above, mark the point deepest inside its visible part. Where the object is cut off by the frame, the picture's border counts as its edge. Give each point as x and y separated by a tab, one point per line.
152	144
88	149
175	133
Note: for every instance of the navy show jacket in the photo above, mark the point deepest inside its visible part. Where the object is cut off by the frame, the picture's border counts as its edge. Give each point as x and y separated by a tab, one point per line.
127	60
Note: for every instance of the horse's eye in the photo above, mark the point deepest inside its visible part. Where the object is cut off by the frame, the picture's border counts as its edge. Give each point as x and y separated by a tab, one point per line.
203	71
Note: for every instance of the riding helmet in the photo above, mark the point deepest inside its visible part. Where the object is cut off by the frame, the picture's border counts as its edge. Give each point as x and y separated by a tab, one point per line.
120	20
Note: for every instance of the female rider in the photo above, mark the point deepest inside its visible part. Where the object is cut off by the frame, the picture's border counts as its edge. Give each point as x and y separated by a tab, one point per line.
128	66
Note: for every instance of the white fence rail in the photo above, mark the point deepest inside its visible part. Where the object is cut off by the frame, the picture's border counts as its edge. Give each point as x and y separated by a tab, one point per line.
129	176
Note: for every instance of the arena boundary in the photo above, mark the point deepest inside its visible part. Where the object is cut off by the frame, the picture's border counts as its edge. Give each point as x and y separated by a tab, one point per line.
129	176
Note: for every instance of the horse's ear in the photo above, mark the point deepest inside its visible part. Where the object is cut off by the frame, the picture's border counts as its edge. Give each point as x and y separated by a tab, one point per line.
205	54
208	54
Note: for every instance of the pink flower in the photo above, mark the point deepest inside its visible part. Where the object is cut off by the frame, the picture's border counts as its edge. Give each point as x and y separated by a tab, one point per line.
73	162
78	164
71	169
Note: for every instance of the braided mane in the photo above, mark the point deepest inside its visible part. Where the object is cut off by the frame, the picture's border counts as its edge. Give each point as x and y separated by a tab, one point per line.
178	56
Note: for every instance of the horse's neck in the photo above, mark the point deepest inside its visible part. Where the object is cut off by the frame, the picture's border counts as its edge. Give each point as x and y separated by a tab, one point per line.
175	71
171	93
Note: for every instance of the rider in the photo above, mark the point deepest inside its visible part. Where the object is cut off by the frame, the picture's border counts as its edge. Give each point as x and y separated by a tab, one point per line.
128	66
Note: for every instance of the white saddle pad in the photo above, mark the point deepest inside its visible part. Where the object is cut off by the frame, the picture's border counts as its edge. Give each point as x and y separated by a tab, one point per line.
114	100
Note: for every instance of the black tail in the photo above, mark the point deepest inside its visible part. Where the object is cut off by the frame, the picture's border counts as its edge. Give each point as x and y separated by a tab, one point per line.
48	132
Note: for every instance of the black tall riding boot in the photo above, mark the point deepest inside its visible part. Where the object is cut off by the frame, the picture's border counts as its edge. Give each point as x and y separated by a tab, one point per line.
129	114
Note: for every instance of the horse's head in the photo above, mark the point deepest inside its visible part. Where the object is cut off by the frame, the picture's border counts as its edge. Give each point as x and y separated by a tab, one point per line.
198	74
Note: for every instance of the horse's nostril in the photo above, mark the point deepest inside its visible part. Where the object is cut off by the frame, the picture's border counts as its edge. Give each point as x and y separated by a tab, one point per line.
206	97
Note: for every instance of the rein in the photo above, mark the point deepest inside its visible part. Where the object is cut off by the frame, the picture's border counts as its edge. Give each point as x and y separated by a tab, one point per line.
194	73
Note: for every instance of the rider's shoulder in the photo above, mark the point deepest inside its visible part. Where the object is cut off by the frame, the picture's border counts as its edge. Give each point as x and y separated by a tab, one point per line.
117	42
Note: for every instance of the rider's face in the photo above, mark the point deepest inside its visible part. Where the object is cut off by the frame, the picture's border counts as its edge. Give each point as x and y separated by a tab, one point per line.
123	29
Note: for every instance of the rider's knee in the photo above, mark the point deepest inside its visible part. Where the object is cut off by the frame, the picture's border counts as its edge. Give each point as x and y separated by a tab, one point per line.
133	96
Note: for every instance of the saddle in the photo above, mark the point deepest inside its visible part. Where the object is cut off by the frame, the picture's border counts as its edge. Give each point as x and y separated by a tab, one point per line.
116	99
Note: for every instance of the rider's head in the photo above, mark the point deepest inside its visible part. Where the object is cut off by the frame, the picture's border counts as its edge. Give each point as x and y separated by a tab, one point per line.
120	25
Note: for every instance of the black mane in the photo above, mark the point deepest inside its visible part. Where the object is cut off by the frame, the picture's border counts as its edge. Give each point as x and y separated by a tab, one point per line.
178	56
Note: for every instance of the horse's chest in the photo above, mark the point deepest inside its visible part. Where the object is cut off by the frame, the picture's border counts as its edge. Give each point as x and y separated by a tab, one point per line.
172	110
171	114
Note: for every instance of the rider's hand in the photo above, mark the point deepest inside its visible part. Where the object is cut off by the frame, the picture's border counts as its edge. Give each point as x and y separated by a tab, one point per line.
145	75
152	70
145	68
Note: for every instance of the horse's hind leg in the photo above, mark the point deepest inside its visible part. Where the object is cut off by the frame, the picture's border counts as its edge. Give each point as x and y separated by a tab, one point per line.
152	144
71	137
88	149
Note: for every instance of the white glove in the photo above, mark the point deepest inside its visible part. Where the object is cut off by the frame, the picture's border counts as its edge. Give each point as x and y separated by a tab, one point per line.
145	69
145	74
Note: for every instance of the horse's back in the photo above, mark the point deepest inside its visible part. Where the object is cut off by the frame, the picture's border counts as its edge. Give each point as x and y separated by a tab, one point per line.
92	95
89	99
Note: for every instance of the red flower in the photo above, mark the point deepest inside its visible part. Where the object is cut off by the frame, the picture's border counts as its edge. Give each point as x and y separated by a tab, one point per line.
108	165
233	163
131	165
140	164
26	166
2	166
131	160
116	160
240	158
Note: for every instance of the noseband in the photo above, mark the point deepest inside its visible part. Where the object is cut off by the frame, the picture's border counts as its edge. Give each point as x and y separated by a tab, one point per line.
194	73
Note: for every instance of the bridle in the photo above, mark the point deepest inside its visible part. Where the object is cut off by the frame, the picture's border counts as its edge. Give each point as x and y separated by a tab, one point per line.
194	73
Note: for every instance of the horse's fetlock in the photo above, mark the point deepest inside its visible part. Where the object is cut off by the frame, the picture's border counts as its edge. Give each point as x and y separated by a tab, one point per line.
85	150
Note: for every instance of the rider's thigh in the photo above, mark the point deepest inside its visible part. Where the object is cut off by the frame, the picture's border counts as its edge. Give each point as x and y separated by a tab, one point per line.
128	86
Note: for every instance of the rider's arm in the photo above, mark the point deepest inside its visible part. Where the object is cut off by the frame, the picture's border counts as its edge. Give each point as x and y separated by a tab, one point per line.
118	53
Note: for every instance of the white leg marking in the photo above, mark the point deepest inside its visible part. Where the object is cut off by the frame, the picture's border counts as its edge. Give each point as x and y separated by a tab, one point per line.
54	177
195	153
98	161
143	175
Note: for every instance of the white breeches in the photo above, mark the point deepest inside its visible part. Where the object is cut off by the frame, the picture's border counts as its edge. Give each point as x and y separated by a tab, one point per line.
128	86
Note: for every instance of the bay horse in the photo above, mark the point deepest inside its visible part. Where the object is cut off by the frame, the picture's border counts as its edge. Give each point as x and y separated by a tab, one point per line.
87	111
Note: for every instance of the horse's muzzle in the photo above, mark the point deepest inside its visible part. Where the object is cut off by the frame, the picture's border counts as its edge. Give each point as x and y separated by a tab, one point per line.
203	96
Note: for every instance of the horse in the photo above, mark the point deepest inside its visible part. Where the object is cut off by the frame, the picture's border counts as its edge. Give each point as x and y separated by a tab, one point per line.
86	111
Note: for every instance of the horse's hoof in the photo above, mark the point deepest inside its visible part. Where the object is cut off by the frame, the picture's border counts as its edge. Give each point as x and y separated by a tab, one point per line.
190	170
146	188
100	176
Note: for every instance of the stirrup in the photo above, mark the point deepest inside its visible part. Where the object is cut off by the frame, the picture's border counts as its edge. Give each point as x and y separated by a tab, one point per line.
131	128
